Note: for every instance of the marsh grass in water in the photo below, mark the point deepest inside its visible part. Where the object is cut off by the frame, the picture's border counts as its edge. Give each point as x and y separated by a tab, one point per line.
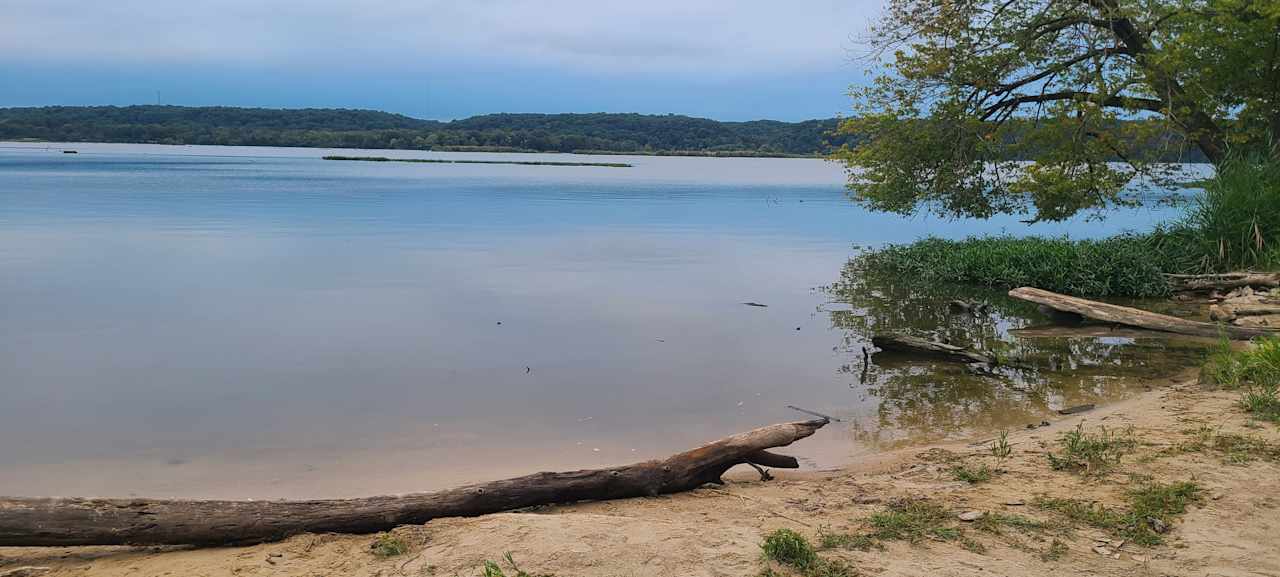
1151	511
1125	265
1091	453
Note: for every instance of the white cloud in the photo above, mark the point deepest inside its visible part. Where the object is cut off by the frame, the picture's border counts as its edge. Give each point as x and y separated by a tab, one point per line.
716	38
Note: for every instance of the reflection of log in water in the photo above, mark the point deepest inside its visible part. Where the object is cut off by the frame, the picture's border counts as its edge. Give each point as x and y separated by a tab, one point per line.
1133	317
915	345
64	522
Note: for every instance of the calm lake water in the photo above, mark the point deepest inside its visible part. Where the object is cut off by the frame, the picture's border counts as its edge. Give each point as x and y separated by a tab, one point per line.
257	322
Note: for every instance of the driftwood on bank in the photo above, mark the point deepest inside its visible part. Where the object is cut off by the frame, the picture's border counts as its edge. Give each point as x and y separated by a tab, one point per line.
1223	281
1110	313
1230	312
73	521
915	345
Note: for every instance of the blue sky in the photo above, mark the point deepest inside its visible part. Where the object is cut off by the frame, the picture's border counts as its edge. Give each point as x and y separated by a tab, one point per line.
724	59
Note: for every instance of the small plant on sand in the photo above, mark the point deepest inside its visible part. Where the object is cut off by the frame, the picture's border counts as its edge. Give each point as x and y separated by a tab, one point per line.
1255	371
492	569
789	548
1151	511
1263	401
1091	453
388	545
971	475
1056	550
1000	448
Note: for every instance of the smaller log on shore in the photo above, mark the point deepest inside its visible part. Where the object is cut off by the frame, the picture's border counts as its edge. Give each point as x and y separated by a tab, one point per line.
1224	281
1228	312
908	344
1110	313
28	522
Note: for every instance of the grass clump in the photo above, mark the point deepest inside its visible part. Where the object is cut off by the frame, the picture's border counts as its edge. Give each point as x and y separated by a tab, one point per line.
1091	453
1255	371
1126	265
1234	224
492	569
1056	551
791	549
1151	511
388	545
971	475
1000	448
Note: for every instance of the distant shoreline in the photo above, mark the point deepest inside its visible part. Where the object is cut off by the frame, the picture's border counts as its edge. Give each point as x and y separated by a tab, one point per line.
464	161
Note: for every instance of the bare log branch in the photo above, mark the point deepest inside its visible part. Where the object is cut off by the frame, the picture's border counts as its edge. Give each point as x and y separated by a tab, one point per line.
72	521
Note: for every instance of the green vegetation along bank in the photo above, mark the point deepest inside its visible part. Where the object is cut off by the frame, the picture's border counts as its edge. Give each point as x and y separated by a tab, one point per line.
450	161
1233	225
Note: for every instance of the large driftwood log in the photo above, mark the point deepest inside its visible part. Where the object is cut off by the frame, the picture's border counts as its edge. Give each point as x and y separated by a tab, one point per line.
915	345
1133	317
73	521
1224	281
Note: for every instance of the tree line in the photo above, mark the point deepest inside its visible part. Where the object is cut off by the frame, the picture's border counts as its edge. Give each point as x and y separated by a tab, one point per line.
346	128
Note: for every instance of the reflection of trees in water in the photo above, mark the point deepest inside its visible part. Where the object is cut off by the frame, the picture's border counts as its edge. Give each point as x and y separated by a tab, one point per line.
930	400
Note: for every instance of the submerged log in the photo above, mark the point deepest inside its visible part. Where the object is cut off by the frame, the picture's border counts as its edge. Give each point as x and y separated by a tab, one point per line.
1110	313
1223	281
73	521
916	345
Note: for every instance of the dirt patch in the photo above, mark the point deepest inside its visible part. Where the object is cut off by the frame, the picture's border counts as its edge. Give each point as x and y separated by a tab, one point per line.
1180	433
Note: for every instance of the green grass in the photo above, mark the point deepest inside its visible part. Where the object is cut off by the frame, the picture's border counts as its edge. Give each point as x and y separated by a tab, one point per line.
1091	453
792	550
789	548
1151	510
971	475
388	545
1234	224
1056	551
492	569
1255	372
1000	448
1126	265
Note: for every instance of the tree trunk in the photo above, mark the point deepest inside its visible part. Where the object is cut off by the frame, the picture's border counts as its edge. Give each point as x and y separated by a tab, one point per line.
1133	317
916	345
1224	281
73	521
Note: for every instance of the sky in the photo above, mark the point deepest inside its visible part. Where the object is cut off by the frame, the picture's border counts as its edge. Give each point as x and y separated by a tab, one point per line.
722	59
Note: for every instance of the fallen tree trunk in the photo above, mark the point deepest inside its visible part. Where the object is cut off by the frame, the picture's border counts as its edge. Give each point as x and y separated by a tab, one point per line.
916	345
1223	281
72	521
1230	312
1133	317
1100	330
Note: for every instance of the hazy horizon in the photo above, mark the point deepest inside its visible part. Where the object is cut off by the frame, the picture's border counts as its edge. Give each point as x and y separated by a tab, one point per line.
729	61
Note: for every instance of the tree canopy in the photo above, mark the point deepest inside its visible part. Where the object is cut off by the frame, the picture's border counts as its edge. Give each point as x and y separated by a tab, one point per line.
1050	107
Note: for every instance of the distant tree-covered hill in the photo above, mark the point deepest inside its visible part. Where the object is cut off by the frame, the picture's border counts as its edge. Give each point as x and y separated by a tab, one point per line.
344	128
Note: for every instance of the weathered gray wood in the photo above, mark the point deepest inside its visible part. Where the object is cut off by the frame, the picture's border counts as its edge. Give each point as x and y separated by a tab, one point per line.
915	345
1223	281
1110	313
74	521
